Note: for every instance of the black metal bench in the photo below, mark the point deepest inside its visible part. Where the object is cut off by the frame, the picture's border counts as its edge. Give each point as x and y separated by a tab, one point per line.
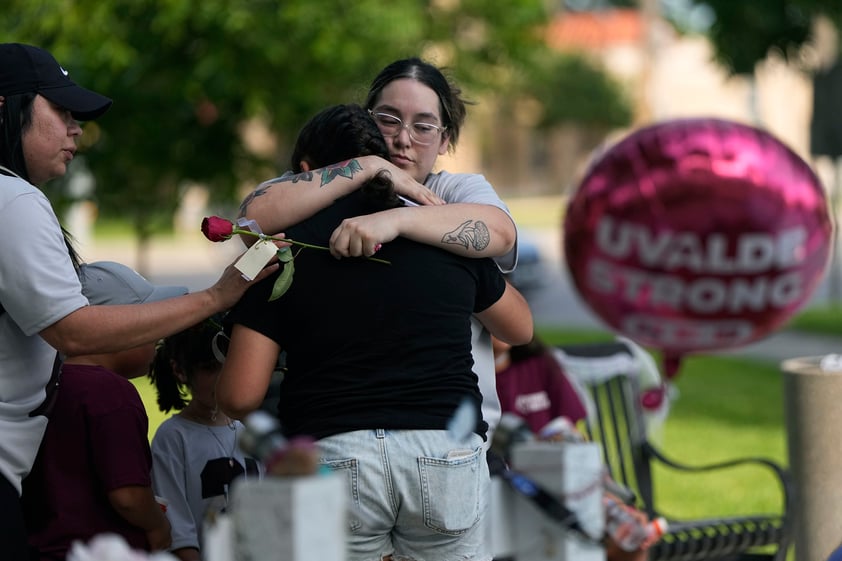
609	371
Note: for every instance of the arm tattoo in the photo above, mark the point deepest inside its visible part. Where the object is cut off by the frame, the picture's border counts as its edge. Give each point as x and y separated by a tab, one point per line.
293	178
469	234
345	169
261	189
287	177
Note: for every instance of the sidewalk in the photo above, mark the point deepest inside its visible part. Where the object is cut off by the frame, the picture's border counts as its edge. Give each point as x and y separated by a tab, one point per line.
194	262
188	260
787	344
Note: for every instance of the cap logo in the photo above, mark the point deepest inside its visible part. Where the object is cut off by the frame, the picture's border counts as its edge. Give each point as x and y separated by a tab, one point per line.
29	69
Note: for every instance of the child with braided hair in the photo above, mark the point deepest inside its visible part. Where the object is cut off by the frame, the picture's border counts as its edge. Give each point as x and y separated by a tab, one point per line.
195	455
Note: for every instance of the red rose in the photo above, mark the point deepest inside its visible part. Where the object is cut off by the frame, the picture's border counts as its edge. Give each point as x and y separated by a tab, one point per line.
217	229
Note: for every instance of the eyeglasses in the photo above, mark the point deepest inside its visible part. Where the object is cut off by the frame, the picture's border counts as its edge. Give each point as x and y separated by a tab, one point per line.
422	133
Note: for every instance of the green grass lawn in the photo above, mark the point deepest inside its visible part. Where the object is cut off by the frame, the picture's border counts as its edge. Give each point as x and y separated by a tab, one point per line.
149	397
726	408
823	321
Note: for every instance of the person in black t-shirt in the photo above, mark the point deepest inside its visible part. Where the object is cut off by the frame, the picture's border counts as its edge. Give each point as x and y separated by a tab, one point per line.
379	366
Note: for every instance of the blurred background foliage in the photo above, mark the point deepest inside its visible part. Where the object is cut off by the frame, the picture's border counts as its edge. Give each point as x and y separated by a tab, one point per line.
196	81
189	76
744	32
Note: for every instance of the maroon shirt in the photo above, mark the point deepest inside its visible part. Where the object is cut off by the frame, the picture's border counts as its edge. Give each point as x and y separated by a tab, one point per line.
538	390
96	441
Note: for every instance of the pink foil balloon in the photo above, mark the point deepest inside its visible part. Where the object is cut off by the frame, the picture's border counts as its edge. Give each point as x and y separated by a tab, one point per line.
697	234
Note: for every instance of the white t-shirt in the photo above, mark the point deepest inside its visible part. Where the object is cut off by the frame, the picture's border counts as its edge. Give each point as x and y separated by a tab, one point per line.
38	286
189	470
474	188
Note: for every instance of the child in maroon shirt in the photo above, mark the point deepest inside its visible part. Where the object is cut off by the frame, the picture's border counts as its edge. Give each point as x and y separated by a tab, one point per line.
532	385
92	474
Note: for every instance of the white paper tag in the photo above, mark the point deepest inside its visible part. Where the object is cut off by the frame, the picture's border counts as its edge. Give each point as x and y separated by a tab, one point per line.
253	260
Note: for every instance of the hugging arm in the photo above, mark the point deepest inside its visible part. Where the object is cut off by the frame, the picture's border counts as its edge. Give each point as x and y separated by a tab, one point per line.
279	203
467	229
509	318
246	372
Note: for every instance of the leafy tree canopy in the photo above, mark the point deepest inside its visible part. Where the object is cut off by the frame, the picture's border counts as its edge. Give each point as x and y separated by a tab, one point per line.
745	31
187	74
599	101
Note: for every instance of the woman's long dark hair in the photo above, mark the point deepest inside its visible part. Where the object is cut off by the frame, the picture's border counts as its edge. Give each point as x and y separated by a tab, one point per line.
15	119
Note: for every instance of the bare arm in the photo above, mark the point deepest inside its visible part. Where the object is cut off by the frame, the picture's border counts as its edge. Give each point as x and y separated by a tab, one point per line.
106	329
279	203
246	372
137	505
509	319
467	229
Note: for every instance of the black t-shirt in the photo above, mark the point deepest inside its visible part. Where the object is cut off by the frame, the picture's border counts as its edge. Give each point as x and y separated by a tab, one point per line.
370	345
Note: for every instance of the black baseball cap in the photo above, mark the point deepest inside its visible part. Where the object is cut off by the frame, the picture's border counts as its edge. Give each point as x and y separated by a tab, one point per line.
28	69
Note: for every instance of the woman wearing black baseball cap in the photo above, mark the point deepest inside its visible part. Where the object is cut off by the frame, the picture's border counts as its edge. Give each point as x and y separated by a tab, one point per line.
43	313
27	69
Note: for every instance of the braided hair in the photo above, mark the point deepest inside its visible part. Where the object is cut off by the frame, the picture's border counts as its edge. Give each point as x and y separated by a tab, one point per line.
188	351
15	120
341	133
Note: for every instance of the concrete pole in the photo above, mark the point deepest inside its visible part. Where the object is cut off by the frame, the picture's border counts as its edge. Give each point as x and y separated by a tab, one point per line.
812	396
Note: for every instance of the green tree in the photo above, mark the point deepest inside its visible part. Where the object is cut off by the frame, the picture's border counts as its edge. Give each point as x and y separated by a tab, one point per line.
186	75
601	103
744	32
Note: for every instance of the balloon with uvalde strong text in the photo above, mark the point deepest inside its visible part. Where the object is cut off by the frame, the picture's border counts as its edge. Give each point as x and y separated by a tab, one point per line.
697	234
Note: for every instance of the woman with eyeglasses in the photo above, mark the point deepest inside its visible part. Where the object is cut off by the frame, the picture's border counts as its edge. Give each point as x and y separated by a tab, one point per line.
420	113
378	366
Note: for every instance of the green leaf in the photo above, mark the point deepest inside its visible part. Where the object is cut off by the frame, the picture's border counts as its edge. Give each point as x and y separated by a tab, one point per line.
284	280
284	255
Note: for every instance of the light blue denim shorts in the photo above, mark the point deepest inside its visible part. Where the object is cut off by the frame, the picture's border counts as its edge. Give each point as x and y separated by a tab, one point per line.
418	494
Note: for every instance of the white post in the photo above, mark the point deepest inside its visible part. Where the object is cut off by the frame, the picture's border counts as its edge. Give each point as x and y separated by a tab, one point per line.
289	518
812	397
572	473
